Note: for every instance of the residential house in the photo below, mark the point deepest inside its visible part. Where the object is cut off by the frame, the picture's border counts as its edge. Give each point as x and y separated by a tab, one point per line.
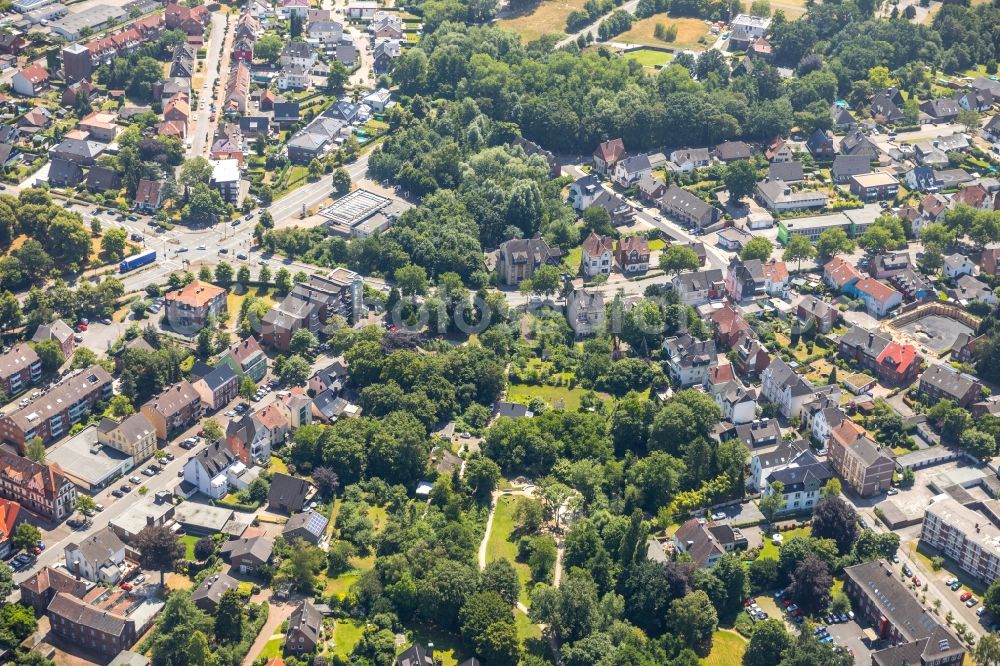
386	51
597	255
289	8
697	288
761	48
208	595
81	90
297	408
846	166
755	434
148	196
941	382
865	467
781	385
84	625
976	100
729	326
879	298
914	635
237	89
418	655
98	558
885	106
38	590
632	254
802	483
734	238
213	469
218	388
309	525
134	435
630	170
874	186
284	113
584	191
10	518
607	155
820	145
190	308
922	178
737	402
744	279
887	264
651	188
842	118
246	358
585	311
706	542
913	285
786	454
989	261
30	80
41	488
20	368
288	494
520	258
175	409
64	173
730	151
54	413
892	362
745	29
778	151
387	26
325	33
191	20
688	359
775	277
686	160
248	554
991	130
685	207
102	179
858	143
956	265
305	629
974	195
787	172
620	211
776	195
824	314
226	179
968	288
941	110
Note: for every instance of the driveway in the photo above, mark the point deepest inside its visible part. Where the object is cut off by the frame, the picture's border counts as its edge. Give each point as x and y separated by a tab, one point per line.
278	612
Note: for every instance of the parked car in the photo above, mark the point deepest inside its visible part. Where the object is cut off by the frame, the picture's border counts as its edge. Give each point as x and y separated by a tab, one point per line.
117	493
965	596
169	455
125	488
955	586
907	571
134	479
980	611
972	602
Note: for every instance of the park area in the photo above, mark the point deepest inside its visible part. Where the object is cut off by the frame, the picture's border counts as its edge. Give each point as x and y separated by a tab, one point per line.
542	18
727	649
690	33
503	542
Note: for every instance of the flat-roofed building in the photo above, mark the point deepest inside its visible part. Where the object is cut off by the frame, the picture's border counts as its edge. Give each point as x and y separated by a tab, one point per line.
88	463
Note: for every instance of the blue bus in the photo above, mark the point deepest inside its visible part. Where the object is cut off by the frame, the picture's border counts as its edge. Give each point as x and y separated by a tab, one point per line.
141	259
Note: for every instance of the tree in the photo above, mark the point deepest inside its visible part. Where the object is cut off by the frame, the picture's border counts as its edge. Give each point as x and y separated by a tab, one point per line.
481	476
159	548
248	388
10	311
213	431
773	501
797	249
832	242
969	119
768	642
113	244
987	650
268	47
677	258
982	445
229	617
740	178
729	570
479	616
598	220
203	548
6	580
992	598
338	76
303	565
50	354
810	585
283	281
693	620
195	171
546	280
757	247
302	341
258	490
35	449
84	358
831	488
85	504
326	481
885	233
500	576
341	181
833	518
223	274
26	536
295	371
243	275
198	651
808	651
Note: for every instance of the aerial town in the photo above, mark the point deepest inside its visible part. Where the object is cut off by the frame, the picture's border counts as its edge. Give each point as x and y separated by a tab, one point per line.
467	332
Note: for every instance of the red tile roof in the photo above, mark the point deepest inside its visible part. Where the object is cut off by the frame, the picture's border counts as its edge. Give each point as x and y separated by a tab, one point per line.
899	357
841	271
611	151
880	291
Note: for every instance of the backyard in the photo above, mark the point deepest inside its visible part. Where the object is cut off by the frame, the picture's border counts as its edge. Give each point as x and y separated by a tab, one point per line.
690	32
556	396
503	544
541	19
727	648
770	551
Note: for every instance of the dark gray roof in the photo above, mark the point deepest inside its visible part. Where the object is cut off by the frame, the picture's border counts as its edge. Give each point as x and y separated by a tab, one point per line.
216	458
63	172
103	179
213	587
850	165
790	172
951	382
307	620
810	473
258	547
288	490
99	547
220	376
699	280
416	655
784	453
870	343
310	521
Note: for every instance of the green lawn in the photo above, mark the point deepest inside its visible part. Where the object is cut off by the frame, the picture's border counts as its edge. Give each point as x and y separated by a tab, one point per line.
771	551
278	465
525	627
657	244
501	545
573	258
554	395
273	647
649	58
727	649
342	583
189	541
346	635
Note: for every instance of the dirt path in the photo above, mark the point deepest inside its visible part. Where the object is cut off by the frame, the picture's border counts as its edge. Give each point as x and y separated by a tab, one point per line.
277	613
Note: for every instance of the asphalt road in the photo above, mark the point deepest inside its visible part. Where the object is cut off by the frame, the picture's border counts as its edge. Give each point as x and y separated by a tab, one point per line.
202	128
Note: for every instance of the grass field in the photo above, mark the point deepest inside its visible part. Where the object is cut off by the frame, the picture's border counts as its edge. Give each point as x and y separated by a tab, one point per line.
273	647
189	541
346	635
500	543
525	627
771	551
689	31
727	649
234	302
649	57
545	17
572	260
793	9
554	395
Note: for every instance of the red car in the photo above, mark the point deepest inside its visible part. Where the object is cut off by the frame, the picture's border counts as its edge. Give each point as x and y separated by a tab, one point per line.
81	327
966	596
127	586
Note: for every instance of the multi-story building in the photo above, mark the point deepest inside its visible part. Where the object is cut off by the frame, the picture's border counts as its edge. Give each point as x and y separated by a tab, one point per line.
213	469
38	487
632	254
246	358
521	257
699	287
802	483
177	408
914	634
863	465
189	308
939	382
969	537
226	178
706	542
786	454
54	413
86	626
134	436
218	387
310	304
19	368
686	207
98	558
874	186
585	311
688	359
597	255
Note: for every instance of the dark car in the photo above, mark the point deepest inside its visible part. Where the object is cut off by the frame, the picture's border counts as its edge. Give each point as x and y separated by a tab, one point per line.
117	493
125	488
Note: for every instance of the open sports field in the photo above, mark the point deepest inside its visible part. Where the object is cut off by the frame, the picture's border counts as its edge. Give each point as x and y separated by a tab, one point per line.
689	31
541	19
649	57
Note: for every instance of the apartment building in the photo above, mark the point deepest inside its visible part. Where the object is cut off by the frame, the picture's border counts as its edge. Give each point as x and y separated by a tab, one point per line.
309	305
38	487
19	368
941	382
177	408
969	537
134	436
864	466
89	627
190	307
54	413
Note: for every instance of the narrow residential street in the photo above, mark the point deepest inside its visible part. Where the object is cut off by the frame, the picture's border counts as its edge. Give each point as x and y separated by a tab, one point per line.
201	126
